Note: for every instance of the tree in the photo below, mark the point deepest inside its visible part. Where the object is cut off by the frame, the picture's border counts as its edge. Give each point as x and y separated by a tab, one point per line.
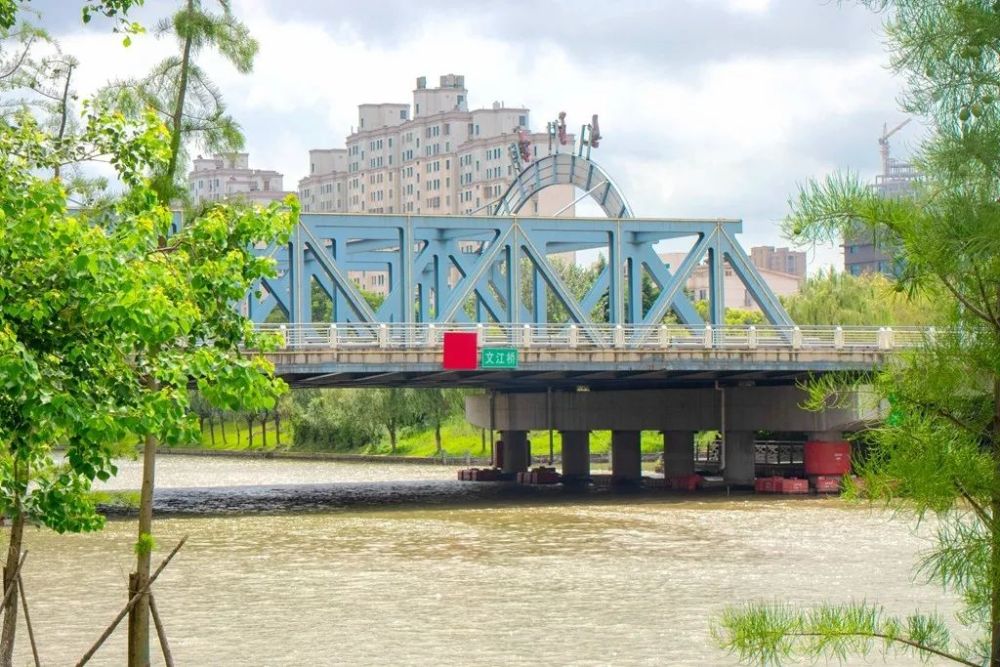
435	406
394	409
833	298
102	326
182	93
938	451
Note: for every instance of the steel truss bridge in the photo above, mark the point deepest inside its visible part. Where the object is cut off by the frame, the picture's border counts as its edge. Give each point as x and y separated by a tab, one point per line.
498	275
461	269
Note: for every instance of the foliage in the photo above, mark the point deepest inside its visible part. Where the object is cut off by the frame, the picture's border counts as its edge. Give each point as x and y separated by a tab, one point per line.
335	420
834	298
182	93
939	452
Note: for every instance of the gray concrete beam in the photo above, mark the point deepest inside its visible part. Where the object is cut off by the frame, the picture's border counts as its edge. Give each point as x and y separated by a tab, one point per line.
747	409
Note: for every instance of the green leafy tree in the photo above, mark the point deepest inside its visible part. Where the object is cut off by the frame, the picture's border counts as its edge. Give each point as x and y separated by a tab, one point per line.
833	298
939	450
102	324
394	409
436	406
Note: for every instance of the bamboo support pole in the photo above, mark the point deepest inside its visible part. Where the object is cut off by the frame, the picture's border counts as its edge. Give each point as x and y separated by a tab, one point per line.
161	634
128	607
27	620
13	586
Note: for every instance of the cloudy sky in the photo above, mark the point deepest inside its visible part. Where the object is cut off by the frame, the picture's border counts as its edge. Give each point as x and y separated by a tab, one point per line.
709	108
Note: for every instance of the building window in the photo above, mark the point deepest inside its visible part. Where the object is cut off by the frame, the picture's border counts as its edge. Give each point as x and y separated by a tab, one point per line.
402	114
522	121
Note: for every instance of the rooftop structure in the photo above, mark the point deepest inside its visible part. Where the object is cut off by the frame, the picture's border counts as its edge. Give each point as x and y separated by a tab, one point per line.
230	176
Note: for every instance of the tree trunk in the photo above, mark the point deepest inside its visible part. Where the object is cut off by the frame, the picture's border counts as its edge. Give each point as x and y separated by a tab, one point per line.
263	431
250	422
239	433
176	122
995	535
277	428
211	428
222	427
138	619
9	579
392	440
437	435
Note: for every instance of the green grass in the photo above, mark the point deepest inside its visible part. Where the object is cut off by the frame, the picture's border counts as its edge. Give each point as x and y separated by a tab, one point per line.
237	437
458	438
116	499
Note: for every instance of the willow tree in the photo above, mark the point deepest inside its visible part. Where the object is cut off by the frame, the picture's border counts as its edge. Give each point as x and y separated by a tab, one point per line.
939	452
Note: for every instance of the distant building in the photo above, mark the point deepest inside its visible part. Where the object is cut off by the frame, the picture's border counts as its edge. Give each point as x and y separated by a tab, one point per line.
435	157
861	253
781	260
229	176
736	294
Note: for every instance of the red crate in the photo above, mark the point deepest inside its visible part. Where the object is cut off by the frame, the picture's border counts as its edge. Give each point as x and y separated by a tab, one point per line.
685	482
826	484
794	485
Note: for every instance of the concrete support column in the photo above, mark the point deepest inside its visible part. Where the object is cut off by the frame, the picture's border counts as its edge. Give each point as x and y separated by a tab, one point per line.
626	457
575	455
515	451
739	458
678	453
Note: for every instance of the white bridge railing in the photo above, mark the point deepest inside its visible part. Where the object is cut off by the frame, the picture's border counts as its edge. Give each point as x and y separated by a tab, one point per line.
602	336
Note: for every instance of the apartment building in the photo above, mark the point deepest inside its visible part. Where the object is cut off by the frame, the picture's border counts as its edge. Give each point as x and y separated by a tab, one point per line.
432	157
736	294
782	260
230	176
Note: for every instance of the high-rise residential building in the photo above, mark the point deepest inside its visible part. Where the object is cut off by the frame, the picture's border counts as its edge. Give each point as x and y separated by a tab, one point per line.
433	157
782	260
861	253
229	176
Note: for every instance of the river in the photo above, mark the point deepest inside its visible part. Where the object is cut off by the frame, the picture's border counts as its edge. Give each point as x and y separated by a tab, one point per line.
593	579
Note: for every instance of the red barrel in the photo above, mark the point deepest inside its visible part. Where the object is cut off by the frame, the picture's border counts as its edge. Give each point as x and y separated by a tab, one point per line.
827	458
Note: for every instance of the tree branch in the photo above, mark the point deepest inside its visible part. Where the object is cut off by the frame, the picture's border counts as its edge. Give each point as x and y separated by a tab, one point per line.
890	638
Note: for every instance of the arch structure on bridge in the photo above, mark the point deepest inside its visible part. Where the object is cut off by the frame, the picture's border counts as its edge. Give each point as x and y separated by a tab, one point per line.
502	268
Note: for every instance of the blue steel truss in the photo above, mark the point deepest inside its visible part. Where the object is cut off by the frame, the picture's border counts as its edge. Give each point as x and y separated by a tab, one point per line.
459	269
444	269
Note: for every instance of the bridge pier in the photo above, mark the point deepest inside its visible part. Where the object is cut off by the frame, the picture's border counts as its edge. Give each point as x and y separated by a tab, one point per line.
575	455
515	451
739	458
626	457
678	453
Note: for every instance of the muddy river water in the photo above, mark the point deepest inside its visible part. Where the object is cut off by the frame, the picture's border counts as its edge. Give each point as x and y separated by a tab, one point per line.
399	565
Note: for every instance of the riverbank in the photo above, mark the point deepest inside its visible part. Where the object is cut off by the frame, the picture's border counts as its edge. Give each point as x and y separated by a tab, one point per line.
460	441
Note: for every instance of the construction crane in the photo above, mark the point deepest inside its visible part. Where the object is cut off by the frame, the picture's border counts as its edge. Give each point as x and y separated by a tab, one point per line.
883	143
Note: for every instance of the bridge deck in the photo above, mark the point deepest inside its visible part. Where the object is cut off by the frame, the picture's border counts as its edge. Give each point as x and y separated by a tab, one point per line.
598	357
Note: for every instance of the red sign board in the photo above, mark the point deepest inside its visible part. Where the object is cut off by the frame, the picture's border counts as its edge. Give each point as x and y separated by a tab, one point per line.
461	350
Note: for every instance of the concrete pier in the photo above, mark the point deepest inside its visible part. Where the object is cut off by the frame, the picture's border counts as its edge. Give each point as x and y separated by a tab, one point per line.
626	457
515	451
575	455
678	453
739	457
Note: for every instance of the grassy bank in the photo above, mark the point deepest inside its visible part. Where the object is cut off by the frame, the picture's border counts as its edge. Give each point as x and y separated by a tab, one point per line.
458	439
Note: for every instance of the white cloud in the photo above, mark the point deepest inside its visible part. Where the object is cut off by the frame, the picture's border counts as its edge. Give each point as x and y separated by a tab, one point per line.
725	138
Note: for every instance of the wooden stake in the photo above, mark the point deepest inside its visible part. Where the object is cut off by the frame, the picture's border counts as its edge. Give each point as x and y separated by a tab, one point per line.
168	659
131	603
27	620
13	587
